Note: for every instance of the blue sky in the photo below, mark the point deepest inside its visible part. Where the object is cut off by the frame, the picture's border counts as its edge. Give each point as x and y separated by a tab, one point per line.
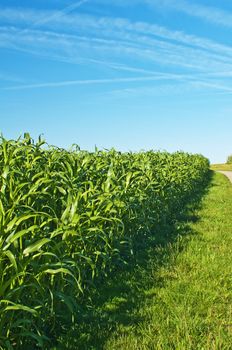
129	74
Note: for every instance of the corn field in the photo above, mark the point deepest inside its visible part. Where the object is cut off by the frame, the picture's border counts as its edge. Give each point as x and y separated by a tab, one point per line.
68	218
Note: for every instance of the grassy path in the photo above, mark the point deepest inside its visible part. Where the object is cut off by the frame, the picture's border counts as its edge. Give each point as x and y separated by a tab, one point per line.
191	307
179	296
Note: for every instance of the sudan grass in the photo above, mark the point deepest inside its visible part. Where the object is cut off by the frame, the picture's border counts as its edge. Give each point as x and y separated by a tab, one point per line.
69	220
179	296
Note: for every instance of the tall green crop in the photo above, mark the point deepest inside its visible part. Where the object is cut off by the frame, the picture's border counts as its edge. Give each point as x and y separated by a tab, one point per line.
69	217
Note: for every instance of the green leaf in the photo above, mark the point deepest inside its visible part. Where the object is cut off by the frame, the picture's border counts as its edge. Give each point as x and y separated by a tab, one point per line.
19	307
13	236
36	246
12	259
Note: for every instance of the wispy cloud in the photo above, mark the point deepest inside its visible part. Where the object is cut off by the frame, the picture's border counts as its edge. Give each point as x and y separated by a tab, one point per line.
118	35
110	43
91	82
207	13
176	83
80	50
56	15
196	86
105	26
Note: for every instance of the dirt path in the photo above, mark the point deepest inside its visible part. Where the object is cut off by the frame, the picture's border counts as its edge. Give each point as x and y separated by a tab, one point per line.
227	173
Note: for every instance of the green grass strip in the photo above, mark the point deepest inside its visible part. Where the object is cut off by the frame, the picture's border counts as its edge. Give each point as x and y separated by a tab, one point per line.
181	297
192	307
227	167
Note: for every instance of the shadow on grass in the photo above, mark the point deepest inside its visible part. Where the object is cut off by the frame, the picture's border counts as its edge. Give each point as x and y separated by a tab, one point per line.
119	297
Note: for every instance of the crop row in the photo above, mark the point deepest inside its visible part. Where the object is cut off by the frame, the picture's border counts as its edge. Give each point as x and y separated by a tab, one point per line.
70	217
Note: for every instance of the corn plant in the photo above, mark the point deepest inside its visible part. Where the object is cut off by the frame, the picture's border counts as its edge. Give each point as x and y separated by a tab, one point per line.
68	218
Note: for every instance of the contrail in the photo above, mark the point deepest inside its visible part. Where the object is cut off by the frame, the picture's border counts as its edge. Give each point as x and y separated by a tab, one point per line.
157	77
58	14
55	15
85	82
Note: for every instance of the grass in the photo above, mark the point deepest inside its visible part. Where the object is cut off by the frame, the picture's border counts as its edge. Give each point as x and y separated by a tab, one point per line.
221	167
177	295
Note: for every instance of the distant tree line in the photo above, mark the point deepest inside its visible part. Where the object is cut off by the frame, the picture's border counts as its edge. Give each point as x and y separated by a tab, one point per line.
229	159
